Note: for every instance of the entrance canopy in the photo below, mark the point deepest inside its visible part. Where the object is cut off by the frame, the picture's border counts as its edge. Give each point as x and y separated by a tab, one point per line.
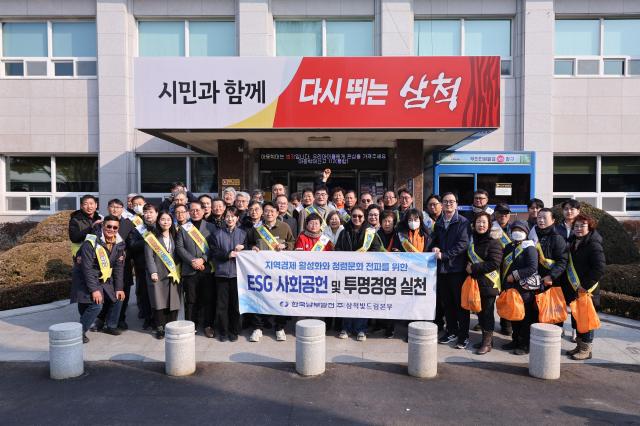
307	101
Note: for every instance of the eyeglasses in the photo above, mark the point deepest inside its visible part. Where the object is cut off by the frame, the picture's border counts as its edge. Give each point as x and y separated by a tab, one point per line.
114	227
433	205
583	225
448	201
480	198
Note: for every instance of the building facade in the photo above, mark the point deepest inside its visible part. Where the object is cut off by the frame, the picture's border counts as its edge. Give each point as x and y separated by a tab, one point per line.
569	77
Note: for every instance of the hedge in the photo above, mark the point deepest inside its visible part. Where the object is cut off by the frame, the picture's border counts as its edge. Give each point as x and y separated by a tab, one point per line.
620	305
18	296
12	233
623	279
35	262
619	247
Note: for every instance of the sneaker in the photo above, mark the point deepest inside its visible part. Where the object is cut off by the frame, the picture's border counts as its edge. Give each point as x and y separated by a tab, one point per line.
462	344
447	338
112	331
209	332
343	334
233	337
281	335
256	335
361	337
85	339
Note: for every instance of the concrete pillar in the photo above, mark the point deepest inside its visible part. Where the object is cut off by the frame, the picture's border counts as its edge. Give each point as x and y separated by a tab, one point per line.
409	169
423	349
232	164
255	28
544	351
66	357
310	347
180	348
396	27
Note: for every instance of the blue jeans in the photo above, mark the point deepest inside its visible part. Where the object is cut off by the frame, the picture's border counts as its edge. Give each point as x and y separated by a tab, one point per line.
354	325
89	312
585	337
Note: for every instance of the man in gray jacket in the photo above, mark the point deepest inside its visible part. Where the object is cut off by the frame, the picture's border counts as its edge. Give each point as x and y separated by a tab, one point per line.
193	250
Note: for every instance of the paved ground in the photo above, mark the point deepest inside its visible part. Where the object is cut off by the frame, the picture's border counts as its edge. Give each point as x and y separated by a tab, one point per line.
24	337
365	393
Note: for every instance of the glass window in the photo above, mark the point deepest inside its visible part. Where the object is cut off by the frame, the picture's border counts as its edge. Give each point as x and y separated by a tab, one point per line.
212	38
633	204
634	67
36	68
24	39
520	187
349	38
29	174
563	67
17	203
437	37
66	203
77	174
63	69
462	185
158	173
620	174
161	38
622	37
14	69
588	66
74	39
298	38
487	37
614	66
40	203
574	174
577	37
86	68
204	176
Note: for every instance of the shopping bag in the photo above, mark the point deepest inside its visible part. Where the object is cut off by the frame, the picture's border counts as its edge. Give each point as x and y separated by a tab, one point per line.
552	308
510	305
584	313
470	297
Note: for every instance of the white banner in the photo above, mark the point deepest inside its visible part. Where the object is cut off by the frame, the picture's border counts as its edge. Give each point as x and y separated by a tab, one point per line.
338	284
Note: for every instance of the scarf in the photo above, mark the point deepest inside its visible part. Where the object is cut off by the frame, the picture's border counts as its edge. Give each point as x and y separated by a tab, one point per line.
416	239
310	234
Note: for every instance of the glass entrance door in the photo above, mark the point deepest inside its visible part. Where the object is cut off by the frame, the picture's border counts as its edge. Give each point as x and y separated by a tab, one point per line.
460	184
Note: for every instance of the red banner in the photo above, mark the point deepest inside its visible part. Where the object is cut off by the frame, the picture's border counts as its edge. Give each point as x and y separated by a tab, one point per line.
392	92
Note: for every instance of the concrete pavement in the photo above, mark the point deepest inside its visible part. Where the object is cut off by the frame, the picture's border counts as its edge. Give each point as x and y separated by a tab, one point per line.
24	337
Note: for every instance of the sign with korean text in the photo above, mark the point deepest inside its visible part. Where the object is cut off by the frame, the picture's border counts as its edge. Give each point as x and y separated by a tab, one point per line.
490	158
317	92
312	159
338	284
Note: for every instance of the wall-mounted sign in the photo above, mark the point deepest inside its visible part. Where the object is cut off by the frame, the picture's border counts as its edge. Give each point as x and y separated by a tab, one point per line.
317	92
503	189
477	158
318	159
231	182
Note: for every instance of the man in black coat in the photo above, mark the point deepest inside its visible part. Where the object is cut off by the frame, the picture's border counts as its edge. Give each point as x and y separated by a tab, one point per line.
83	222
97	278
450	242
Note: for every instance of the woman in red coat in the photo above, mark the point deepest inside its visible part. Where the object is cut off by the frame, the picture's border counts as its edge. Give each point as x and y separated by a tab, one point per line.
312	238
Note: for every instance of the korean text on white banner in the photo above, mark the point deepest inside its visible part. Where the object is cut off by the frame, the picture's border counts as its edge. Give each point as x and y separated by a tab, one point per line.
338	284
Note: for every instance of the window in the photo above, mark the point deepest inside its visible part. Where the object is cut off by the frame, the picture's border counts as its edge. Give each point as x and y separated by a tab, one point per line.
324	38
186	38
597	47
469	37
620	174
200	173
574	174
31	186
77	174
49	49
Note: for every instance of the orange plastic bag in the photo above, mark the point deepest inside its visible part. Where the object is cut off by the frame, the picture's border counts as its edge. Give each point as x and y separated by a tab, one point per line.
552	308
510	305
470	297
584	313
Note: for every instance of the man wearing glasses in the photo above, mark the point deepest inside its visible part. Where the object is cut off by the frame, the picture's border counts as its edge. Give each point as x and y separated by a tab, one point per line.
480	204
320	206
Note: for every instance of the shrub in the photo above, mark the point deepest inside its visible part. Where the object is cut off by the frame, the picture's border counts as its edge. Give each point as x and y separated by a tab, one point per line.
11	233
35	262
53	229
623	279
619	247
633	228
12	297
620	304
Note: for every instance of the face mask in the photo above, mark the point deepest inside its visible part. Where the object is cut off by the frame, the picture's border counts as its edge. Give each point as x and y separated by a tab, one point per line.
413	224
138	209
518	235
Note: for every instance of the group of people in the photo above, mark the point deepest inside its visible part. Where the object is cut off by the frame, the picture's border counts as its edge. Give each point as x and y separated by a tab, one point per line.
183	252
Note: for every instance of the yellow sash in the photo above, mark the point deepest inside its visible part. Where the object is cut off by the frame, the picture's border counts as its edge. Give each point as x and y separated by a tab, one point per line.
406	244
197	237
321	243
493	276
134	218
369	235
163	254
508	260
547	263
504	239
102	256
266	236
344	215
313	209
574	279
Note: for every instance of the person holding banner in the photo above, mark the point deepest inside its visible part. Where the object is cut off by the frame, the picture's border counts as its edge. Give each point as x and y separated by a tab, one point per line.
225	244
312	238
485	256
319	206
269	234
360	237
163	272
520	271
97	277
585	269
193	251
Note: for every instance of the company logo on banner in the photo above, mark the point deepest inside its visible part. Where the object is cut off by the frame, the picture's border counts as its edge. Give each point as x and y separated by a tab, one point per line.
317	92
331	284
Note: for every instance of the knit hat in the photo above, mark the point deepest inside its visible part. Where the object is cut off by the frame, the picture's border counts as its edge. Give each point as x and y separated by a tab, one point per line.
521	224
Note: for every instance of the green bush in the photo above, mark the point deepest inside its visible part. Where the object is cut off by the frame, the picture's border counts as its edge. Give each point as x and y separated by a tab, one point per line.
623	279
619	247
620	304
